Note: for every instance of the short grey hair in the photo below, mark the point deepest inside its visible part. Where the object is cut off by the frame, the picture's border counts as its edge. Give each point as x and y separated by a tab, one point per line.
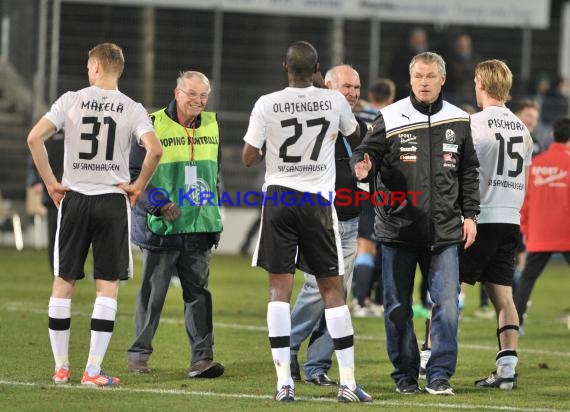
429	57
190	74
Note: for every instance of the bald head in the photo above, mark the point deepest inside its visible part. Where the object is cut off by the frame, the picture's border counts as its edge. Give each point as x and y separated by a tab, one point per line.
344	79
338	74
301	58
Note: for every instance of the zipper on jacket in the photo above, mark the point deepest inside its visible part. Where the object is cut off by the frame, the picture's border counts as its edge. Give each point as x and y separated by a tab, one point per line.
430	214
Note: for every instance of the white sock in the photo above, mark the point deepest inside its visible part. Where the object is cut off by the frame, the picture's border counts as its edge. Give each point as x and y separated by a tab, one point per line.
279	325
59	313
339	325
461	301
102	323
506	362
424	357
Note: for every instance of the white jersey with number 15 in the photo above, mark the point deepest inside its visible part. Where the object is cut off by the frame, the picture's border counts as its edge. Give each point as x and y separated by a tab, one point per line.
504	148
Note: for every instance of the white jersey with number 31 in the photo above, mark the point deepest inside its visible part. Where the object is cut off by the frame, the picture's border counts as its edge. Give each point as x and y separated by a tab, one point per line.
98	127
300	127
504	148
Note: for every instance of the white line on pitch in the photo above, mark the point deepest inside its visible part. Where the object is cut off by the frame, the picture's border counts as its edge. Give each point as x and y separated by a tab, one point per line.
179	392
17	307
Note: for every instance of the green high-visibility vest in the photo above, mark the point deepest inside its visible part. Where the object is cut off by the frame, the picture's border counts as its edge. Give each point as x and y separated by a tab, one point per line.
198	199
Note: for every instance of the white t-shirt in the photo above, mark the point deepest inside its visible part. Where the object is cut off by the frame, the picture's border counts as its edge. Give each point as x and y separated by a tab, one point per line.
300	127
99	125
504	147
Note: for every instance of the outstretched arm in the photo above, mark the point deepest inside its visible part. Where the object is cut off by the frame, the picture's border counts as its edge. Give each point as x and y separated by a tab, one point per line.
363	167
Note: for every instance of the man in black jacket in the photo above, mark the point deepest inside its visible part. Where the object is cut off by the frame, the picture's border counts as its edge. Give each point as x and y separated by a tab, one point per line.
420	151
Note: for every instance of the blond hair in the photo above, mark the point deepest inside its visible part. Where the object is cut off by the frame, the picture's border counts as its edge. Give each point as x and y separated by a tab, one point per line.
110	56
496	79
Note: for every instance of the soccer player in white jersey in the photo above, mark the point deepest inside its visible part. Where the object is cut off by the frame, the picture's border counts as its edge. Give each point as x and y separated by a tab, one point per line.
93	200
298	126
504	148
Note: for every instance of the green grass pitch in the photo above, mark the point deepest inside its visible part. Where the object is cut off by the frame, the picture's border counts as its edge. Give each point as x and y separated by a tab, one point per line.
241	344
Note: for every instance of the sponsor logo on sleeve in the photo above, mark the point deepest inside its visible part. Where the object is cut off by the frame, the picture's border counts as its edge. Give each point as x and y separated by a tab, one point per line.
408	158
408	138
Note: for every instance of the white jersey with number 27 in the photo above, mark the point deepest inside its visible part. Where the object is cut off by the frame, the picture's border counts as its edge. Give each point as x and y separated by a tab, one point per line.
98	127
504	148
300	127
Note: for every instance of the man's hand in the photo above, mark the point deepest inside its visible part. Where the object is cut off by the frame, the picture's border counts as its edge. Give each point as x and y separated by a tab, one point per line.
133	192
469	232
56	191
362	168
170	211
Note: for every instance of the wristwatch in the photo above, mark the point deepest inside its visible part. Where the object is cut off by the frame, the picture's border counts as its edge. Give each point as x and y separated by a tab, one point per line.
473	218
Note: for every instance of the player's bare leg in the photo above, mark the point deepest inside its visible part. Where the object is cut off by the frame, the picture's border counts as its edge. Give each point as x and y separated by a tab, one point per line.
279	325
339	325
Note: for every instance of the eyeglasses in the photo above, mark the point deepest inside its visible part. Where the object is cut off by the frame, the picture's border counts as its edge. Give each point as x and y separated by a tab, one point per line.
192	94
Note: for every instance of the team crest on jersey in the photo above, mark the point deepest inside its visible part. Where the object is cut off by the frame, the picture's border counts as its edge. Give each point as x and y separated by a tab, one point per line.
449	136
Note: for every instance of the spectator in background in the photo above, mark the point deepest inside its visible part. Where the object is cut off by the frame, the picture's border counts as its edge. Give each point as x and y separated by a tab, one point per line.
460	70
554	106
544	216
541	85
368	263
381	93
400	65
55	150
528	111
176	236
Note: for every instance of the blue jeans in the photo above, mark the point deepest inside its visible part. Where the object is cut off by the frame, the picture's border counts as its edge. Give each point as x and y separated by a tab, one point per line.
308	316
398	272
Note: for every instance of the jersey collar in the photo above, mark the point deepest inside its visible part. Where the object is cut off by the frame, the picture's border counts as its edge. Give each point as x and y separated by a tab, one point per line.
429	109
